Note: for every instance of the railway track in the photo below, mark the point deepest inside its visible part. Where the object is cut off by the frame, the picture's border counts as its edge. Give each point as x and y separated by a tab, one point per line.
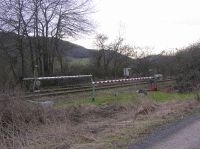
88	88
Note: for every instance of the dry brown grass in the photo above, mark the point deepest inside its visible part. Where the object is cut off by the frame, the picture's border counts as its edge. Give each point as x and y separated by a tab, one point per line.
19	120
27	125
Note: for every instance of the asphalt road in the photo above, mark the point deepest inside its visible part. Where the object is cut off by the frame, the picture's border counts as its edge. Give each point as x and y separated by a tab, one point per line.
183	134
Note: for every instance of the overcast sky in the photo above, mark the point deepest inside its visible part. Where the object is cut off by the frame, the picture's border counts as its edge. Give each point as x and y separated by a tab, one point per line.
158	24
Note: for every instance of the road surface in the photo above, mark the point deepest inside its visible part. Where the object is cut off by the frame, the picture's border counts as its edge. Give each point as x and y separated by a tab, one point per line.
184	134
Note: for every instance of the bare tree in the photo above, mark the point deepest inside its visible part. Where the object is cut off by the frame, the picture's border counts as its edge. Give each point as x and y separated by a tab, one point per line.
43	23
11	20
101	45
114	56
122	55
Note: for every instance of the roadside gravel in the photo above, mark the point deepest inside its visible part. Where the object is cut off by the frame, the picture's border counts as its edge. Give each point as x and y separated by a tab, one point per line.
182	134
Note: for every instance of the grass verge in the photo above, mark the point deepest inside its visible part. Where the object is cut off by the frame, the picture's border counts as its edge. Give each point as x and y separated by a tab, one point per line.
124	97
108	122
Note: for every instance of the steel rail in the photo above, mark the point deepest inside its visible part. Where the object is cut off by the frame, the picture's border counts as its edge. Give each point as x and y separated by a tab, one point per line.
63	91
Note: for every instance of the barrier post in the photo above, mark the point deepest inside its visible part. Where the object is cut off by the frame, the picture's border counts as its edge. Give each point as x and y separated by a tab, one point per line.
35	84
93	90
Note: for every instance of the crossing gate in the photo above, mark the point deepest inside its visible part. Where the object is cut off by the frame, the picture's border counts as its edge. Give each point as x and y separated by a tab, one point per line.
116	80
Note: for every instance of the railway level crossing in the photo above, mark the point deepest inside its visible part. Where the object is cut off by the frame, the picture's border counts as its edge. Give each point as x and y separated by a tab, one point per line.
34	83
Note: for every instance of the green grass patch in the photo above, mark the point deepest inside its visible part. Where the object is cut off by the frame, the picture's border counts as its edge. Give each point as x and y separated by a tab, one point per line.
163	96
100	100
121	97
80	61
124	98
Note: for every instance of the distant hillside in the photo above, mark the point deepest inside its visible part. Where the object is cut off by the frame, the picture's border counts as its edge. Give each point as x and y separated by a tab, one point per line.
160	57
69	49
75	51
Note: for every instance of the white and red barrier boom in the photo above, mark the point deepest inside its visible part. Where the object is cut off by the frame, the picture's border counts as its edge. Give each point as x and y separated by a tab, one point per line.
57	77
113	81
121	80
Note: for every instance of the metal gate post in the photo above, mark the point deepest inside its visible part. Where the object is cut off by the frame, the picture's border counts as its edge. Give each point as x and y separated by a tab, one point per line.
34	82
93	89
35	77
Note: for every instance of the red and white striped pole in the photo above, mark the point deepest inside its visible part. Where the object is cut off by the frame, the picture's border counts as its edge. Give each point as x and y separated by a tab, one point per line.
113	81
